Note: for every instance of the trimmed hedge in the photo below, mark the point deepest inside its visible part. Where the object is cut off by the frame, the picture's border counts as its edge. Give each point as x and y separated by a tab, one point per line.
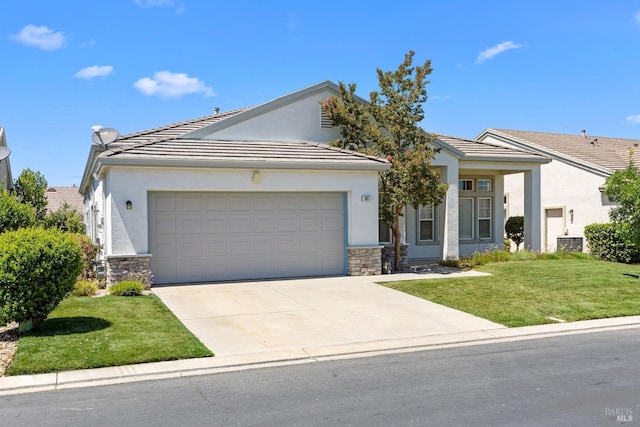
38	268
609	242
128	288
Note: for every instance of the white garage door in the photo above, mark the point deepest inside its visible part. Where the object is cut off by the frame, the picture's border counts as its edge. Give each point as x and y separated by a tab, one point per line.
199	237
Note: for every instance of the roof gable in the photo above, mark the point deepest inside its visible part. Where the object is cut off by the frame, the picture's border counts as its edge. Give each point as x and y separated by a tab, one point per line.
471	149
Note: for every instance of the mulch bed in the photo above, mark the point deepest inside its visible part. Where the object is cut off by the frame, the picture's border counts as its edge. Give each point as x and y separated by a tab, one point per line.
8	345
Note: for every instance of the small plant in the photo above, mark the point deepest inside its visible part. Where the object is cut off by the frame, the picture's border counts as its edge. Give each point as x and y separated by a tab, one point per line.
143	276
128	288
450	263
84	288
89	252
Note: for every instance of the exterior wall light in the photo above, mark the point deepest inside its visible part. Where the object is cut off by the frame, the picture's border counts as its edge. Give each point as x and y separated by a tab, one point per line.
571	215
129	205
365	198
256	177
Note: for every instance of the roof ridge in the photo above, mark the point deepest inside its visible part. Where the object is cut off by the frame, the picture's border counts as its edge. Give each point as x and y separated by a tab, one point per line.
574	135
519	150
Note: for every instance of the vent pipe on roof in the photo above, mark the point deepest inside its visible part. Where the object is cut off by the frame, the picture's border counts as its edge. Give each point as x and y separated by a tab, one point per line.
584	134
216	110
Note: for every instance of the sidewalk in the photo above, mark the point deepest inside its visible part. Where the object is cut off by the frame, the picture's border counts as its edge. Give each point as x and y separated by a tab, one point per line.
190	367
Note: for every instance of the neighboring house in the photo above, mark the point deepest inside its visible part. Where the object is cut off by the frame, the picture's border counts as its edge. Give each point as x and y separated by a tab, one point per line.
257	193
58	196
572	185
6	180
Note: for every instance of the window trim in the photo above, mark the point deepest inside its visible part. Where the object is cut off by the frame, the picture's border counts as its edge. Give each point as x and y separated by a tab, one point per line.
473	216
419	221
490	218
489	180
461	185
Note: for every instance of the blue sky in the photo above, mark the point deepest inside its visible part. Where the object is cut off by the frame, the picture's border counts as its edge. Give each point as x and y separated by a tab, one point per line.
545	65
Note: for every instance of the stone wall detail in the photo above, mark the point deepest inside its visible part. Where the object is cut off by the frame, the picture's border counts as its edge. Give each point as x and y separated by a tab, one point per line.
126	267
388	258
364	261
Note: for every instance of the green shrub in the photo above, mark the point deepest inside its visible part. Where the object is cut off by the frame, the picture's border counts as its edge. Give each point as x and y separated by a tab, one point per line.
611	242
65	219
84	288
89	252
514	228
38	268
128	288
13	214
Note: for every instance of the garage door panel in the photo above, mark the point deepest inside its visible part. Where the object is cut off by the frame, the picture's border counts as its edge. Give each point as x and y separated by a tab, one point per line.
230	236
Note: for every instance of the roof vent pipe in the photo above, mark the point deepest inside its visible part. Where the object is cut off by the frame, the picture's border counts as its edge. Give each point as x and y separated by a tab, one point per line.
584	134
216	110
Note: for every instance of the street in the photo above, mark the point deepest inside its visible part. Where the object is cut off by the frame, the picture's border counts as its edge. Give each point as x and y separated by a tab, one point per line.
590	379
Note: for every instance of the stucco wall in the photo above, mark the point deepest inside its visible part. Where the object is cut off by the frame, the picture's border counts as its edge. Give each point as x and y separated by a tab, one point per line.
292	122
128	231
563	186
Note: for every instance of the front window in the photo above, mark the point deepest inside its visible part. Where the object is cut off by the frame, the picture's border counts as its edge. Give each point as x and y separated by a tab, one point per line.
484	218
465	219
426	223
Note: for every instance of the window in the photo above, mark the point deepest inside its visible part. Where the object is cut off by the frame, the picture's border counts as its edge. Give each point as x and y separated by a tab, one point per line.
465	185
465	219
484	218
426	224
484	185
384	232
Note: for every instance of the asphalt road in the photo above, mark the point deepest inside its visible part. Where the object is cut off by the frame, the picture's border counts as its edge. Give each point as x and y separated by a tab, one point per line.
587	380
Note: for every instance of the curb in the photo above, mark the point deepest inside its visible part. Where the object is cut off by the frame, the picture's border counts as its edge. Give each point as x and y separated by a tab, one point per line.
211	365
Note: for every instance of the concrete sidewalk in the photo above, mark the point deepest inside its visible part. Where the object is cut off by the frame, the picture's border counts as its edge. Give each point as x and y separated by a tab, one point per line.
305	321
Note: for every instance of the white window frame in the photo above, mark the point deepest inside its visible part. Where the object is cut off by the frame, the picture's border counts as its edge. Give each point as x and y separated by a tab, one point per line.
421	220
484	218
485	180
461	184
473	227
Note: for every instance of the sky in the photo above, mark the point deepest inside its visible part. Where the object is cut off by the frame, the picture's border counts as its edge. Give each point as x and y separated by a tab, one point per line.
537	65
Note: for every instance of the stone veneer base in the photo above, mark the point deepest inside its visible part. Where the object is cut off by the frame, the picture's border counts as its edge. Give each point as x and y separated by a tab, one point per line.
364	261
117	265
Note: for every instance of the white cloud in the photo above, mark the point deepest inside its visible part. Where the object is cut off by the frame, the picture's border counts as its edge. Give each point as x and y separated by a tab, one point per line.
172	85
634	119
497	50
40	37
94	71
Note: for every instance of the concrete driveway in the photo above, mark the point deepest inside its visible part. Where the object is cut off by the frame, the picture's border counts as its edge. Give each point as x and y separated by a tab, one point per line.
283	315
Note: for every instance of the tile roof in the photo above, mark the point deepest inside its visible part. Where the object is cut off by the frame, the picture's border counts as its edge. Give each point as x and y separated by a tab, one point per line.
175	130
479	150
300	152
57	196
609	153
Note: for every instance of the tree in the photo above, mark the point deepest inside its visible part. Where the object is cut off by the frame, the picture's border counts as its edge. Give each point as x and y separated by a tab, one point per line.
30	188
13	214
515	230
623	188
65	219
388	127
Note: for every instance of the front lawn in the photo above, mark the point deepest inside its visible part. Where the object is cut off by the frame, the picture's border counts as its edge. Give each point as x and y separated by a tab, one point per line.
521	293
107	331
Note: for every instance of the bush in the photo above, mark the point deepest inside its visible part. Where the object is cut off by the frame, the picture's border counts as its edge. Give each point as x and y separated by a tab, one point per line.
84	288
38	268
610	242
515	230
128	288
89	253
15	215
65	219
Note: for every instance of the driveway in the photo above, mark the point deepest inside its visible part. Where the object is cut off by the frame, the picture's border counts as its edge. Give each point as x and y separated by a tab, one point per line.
282	315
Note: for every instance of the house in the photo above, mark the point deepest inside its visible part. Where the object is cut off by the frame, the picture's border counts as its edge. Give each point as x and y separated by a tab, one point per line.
258	193
571	185
57	197
5	167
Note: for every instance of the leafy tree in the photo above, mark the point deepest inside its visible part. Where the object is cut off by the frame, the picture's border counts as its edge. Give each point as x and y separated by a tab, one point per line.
515	230
13	214
65	219
30	188
388	127
623	188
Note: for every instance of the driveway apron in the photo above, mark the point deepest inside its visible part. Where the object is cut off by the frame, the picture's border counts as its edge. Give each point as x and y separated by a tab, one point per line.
251	317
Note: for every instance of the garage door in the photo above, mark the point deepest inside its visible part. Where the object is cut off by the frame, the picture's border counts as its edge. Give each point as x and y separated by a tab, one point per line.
198	237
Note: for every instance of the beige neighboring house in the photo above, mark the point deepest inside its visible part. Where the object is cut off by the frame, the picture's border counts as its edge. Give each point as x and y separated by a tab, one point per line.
58	196
571	185
5	167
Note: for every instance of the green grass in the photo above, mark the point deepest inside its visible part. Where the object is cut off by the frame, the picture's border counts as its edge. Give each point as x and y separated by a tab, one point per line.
521	293
107	331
